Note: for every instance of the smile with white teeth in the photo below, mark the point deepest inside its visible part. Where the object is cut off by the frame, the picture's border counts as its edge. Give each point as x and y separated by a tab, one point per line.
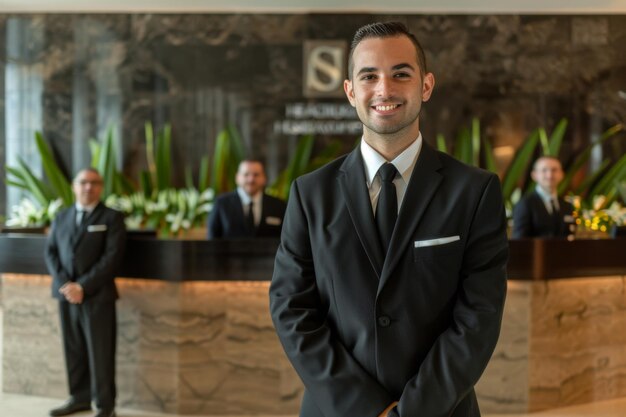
386	108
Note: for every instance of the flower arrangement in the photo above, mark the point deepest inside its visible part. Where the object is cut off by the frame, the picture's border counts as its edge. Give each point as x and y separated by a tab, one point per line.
171	211
28	214
598	217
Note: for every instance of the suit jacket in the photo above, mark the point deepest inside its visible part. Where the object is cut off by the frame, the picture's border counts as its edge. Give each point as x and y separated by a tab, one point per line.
88	254
227	219
417	326
532	219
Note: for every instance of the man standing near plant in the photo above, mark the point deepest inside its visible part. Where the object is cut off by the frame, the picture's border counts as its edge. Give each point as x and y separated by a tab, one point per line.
390	279
83	251
543	213
247	212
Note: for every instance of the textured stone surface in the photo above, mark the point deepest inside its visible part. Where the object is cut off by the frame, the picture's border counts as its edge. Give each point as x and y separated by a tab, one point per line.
210	348
191	348
202	71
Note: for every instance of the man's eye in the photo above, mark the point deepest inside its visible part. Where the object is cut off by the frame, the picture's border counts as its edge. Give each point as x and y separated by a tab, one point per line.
368	77
401	75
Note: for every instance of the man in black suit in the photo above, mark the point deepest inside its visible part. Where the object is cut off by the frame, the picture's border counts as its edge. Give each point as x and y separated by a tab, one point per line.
84	248
543	213
385	317
247	212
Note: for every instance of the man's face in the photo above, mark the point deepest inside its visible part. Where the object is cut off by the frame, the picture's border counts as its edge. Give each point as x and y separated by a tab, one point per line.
547	173
387	88
250	177
87	187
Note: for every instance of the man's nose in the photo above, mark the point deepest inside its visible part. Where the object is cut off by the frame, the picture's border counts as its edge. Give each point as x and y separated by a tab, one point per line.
384	87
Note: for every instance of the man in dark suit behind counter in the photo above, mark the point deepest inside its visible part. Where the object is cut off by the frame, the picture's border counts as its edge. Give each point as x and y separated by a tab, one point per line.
543	213
84	248
247	212
385	317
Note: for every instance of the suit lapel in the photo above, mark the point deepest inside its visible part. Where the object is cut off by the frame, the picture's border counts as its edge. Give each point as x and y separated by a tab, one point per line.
352	182
421	188
91	218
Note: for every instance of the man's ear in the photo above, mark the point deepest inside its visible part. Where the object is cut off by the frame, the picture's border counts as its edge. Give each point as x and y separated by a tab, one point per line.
347	88
428	85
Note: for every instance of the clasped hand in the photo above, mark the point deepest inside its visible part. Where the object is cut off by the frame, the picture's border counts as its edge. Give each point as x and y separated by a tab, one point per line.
73	292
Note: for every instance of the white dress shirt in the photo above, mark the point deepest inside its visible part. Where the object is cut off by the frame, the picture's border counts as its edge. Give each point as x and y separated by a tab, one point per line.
547	199
257	199
404	163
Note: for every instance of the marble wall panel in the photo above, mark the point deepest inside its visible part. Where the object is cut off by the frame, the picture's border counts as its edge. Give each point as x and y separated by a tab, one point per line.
504	385
202	71
190	348
210	348
577	348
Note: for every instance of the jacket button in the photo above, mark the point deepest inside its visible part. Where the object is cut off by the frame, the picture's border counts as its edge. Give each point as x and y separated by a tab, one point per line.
384	321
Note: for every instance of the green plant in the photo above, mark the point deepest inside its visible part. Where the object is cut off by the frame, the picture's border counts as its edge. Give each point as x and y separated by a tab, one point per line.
229	152
301	163
58	185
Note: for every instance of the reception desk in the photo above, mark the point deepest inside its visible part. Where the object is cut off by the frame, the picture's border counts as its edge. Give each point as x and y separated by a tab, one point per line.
195	336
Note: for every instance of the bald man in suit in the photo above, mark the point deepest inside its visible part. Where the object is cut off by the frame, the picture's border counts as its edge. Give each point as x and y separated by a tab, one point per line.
83	251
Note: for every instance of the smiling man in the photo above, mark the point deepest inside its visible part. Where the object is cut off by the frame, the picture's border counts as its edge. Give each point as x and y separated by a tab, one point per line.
390	278
247	212
542	213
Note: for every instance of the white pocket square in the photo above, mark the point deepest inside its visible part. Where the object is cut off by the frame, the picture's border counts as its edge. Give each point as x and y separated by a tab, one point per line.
273	221
439	241
97	228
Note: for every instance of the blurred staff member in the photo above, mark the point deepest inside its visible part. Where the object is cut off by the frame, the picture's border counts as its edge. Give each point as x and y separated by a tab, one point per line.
542	213
83	251
247	212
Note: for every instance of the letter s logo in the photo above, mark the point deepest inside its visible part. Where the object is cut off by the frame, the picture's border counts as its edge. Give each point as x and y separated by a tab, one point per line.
324	68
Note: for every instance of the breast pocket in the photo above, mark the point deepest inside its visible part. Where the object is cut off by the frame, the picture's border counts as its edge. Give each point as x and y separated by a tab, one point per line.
439	250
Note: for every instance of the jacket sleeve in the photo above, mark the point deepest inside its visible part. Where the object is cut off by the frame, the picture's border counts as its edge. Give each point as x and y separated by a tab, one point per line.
51	255
102	271
521	220
214	224
338	384
459	356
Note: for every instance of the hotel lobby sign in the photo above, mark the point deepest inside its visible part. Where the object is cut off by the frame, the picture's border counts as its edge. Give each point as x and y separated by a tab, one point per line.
324	72
324	68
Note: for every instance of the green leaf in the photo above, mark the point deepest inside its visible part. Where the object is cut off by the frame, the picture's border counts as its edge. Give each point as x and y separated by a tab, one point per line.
543	139
463	147
608	181
475	142
203	176
441	143
149	132
584	186
490	161
582	158
517	170
57	179
556	139
36	187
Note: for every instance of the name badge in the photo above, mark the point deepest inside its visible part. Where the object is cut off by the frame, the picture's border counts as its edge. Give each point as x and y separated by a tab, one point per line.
273	221
97	228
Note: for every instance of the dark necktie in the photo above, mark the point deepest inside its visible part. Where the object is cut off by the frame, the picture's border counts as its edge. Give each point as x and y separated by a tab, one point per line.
556	221
387	206
250	219
80	217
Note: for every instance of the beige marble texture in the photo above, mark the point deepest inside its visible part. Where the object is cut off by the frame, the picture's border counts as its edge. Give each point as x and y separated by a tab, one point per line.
209	348
184	348
563	342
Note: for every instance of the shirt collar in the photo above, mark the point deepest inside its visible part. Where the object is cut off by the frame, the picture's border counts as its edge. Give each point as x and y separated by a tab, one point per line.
246	199
403	162
544	195
88	209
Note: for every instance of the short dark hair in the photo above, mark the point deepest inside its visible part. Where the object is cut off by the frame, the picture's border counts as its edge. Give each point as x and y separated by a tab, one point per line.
252	160
386	30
